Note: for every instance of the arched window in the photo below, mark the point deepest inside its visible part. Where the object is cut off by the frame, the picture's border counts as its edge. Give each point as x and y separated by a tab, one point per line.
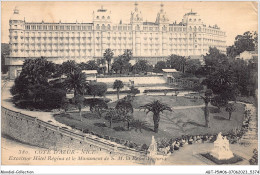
195	28
108	27
108	17
199	28
190	28
103	27
103	17
97	17
97	27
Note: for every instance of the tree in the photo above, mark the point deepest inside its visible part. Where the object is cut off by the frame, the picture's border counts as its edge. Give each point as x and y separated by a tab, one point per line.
111	115
222	83
125	110
230	108
192	66
159	66
176	62
207	99
76	82
215	60
79	102
141	66
118	84
245	42
198	88
128	55
90	65
156	107
33	81
97	89
108	55
219	101
70	67
98	107
121	64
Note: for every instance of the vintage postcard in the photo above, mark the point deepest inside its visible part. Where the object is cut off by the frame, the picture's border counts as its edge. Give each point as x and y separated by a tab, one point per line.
129	83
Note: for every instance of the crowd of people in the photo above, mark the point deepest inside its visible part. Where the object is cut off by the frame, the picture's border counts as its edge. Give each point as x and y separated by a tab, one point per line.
233	136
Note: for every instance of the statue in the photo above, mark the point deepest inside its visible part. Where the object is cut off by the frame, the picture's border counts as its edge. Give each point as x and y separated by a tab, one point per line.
153	148
221	148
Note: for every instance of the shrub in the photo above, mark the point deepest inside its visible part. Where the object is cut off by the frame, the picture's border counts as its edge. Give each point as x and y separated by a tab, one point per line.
97	89
144	147
85	131
254	159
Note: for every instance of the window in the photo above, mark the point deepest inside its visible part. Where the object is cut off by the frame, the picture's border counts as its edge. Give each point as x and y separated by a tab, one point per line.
103	27
108	17
108	27
103	17
97	17
97	27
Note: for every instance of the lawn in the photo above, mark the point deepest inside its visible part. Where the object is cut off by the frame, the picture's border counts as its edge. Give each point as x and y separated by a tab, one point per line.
188	121
171	101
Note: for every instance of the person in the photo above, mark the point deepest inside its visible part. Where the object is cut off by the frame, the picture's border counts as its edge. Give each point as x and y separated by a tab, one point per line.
190	140
177	145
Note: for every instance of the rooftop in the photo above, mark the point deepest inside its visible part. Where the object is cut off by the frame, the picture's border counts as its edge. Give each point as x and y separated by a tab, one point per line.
90	71
169	70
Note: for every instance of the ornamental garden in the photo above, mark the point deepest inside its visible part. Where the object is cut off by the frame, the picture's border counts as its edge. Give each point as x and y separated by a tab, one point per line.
201	101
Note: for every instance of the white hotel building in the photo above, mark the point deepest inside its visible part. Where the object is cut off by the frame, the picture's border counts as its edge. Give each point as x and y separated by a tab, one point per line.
152	41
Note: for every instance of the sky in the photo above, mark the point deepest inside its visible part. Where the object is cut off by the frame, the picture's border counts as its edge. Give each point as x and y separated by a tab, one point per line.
232	17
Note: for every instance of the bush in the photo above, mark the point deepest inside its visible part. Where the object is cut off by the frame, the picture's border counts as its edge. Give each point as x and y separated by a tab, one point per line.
254	159
97	89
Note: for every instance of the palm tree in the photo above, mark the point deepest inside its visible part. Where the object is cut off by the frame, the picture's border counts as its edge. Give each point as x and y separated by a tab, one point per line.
230	108
156	107
207	99
76	82
69	67
118	84
108	55
79	102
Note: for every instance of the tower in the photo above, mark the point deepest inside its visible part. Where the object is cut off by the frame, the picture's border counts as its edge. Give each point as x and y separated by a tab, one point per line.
194	26
136	21
16	42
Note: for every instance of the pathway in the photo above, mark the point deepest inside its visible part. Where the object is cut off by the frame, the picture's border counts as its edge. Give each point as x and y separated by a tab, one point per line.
251	136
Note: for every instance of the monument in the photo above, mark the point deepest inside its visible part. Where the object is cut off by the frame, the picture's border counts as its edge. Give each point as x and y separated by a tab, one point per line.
153	148
221	150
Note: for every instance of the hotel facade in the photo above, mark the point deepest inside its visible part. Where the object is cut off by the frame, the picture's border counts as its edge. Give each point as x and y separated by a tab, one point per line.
152	41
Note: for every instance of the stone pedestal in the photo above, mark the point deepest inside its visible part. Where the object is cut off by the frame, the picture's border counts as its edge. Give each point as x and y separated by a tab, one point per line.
221	148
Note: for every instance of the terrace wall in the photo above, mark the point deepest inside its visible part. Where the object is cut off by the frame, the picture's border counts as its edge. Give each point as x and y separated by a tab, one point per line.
36	132
146	80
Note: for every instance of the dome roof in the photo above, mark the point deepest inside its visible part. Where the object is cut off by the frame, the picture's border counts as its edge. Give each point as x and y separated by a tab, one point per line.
161	16
136	16
16	15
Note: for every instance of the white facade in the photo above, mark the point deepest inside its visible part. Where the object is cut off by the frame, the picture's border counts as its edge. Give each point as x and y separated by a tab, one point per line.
84	41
